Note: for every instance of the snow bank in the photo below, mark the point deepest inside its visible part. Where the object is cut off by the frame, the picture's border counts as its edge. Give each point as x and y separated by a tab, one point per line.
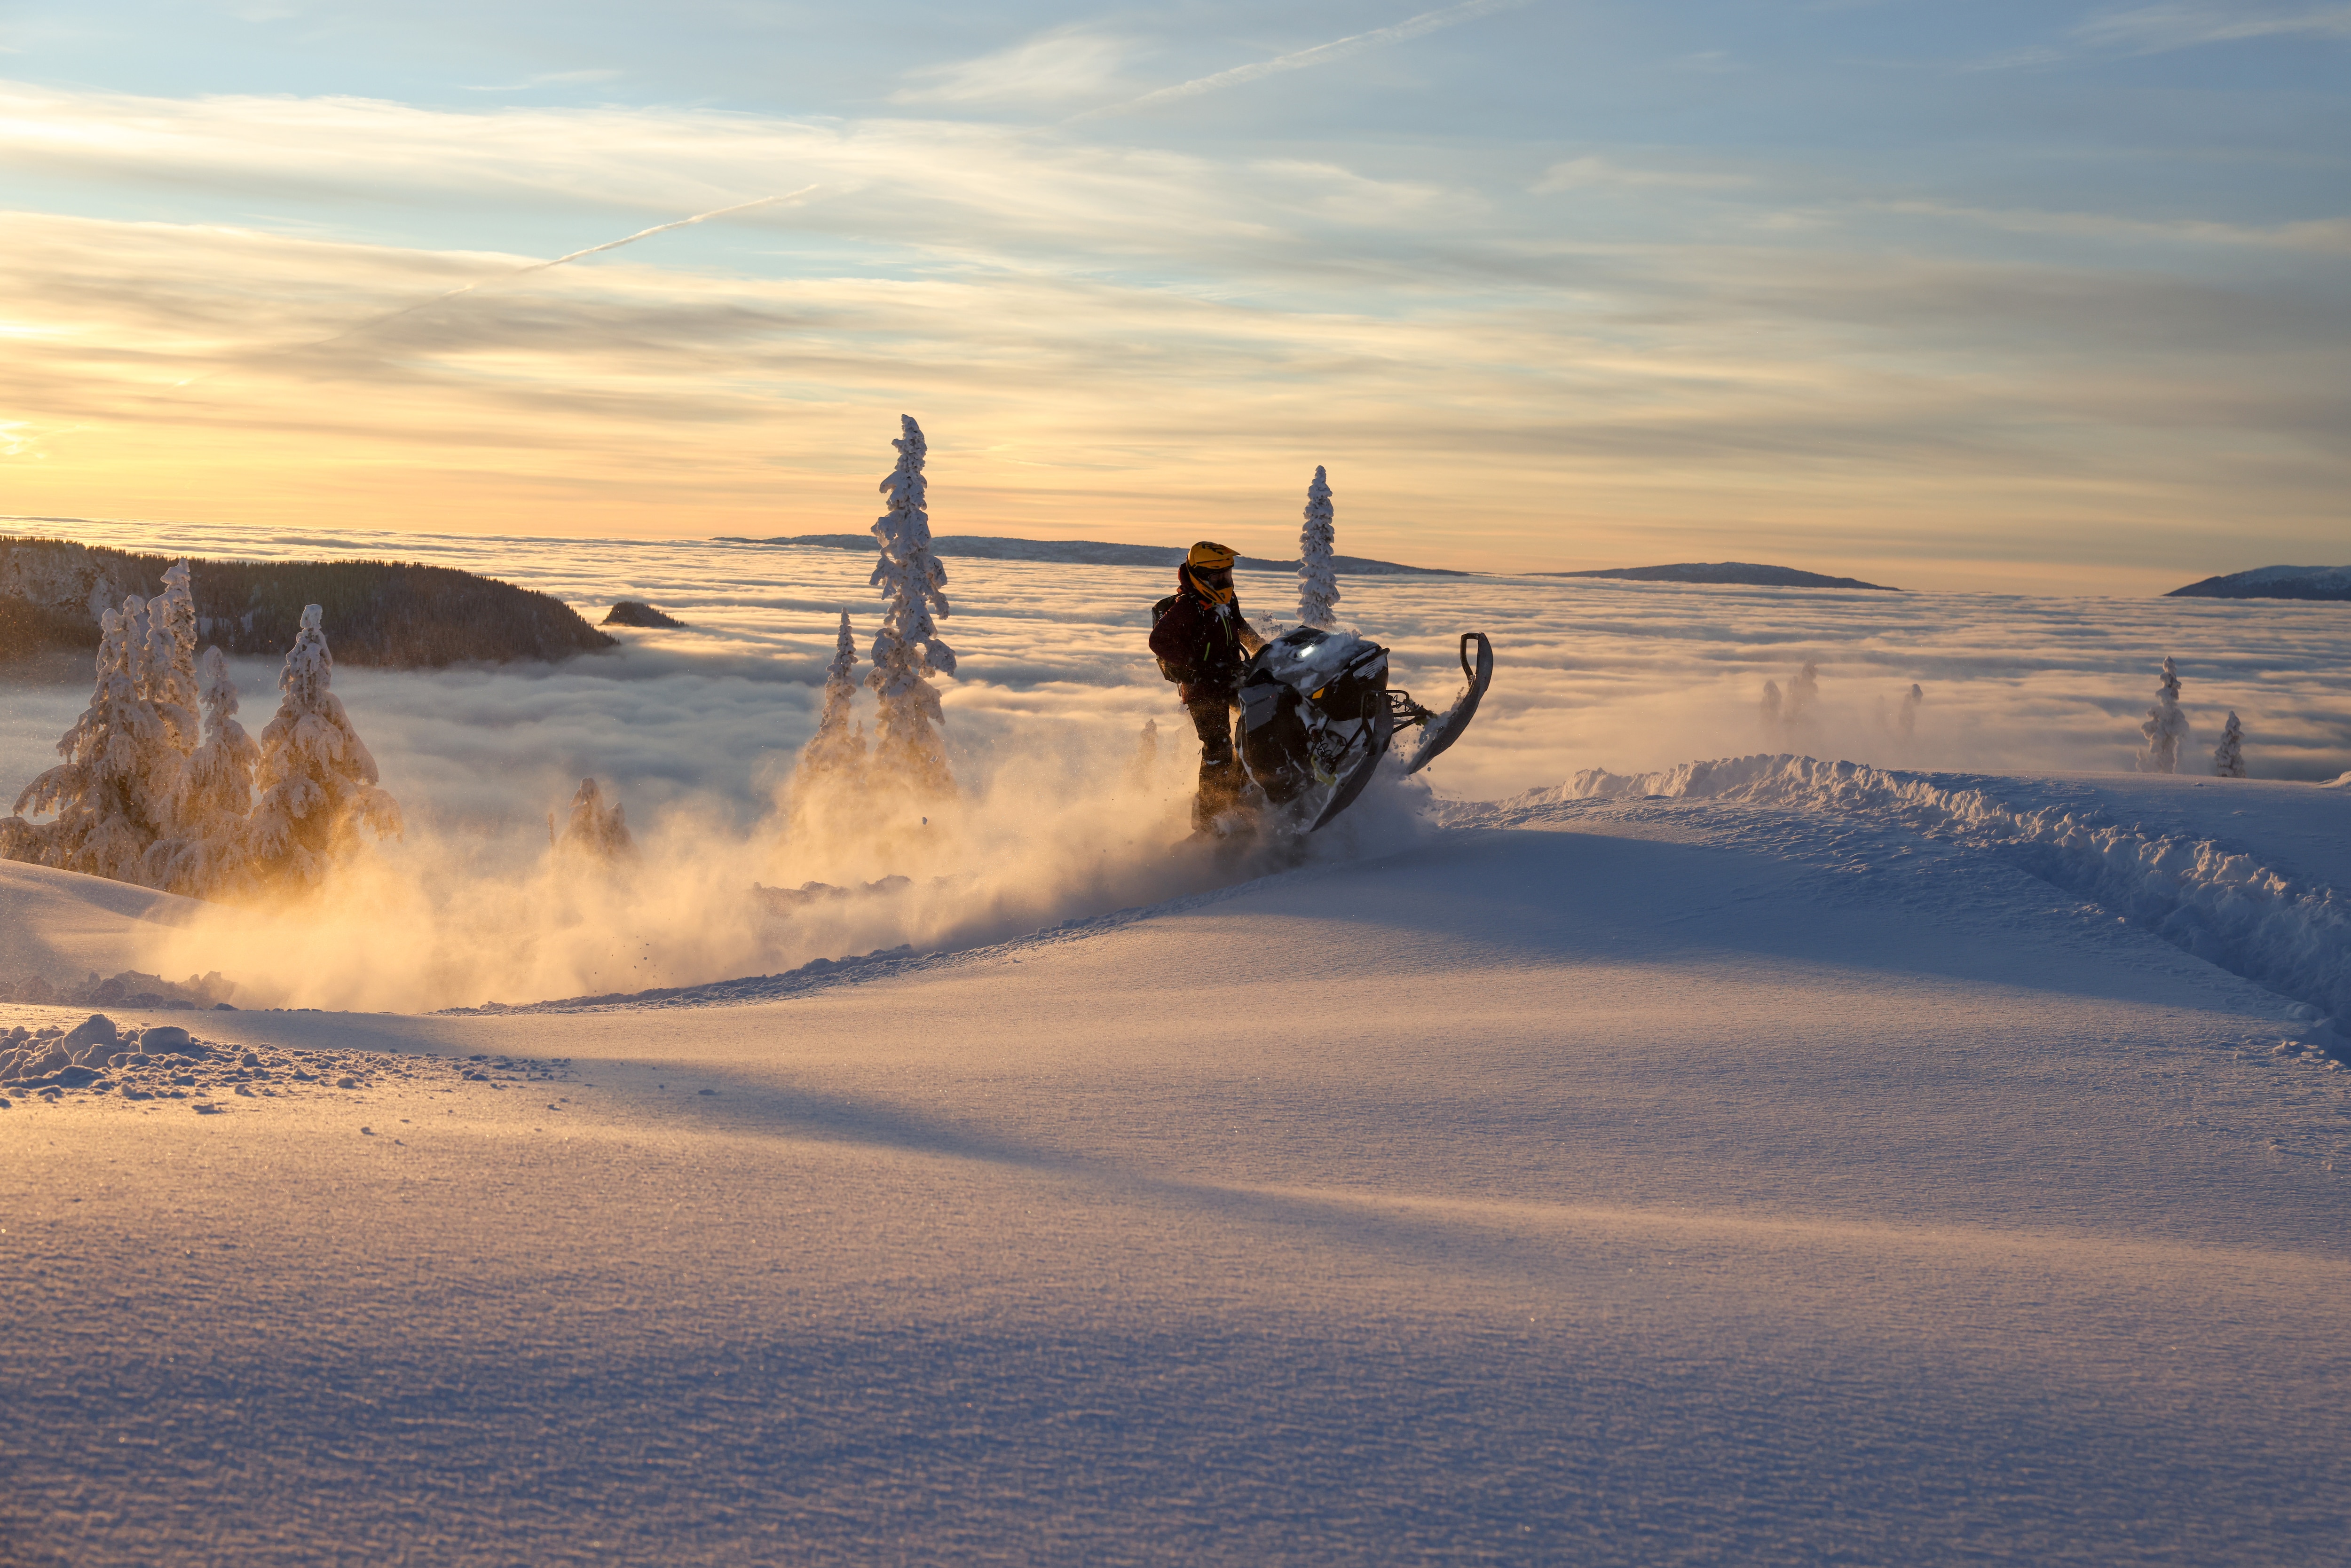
2291	934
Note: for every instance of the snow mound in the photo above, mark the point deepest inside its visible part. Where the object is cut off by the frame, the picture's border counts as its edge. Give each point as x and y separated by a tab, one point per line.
164	1061
2289	934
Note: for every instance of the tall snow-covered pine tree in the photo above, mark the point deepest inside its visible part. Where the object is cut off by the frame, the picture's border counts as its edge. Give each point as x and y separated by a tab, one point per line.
907	750
316	780
1318	577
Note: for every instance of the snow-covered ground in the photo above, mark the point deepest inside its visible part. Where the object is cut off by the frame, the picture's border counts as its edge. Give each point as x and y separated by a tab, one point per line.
1938	1157
1761	1176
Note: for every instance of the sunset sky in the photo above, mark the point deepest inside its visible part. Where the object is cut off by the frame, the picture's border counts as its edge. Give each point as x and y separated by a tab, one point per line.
2047	297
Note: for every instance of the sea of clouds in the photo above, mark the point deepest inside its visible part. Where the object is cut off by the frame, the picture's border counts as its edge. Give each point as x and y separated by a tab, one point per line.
1063	813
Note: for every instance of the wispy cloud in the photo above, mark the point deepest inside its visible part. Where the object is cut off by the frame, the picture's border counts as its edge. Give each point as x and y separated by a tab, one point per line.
1474	356
1051	68
1321	54
549	78
1573	174
2324	235
2190	24
528	268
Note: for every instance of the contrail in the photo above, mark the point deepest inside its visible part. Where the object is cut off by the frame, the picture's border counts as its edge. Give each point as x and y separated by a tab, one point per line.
1321	54
559	261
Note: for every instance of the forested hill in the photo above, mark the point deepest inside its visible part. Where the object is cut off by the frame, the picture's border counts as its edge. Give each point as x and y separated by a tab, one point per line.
2272	582
1730	573
377	612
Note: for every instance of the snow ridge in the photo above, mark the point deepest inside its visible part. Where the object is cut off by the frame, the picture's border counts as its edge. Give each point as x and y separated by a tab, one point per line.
2287	934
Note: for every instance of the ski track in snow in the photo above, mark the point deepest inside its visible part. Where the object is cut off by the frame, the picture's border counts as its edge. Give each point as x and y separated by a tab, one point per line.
2212	899
1927	840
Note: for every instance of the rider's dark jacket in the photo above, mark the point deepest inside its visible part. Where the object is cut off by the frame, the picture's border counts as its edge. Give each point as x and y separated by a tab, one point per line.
1201	644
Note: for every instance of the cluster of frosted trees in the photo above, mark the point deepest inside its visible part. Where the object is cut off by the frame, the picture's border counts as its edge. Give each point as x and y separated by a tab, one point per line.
2165	730
1785	714
906	752
161	786
594	830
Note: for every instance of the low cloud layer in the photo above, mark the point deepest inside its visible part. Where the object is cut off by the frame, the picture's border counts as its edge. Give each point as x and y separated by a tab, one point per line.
695	731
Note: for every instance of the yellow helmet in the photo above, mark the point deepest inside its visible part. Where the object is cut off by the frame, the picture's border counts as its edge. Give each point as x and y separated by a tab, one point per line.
1208	567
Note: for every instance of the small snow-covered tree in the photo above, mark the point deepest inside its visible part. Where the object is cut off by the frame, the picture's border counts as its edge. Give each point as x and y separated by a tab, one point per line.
836	749
907	649
317	780
1804	692
2229	757
108	794
1771	706
207	853
2166	726
595	829
1318	578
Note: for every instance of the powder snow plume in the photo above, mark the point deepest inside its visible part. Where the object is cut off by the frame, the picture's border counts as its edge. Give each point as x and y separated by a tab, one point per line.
430	921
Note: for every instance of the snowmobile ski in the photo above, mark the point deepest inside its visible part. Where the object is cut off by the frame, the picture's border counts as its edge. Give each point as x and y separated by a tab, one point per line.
1352	785
1444	731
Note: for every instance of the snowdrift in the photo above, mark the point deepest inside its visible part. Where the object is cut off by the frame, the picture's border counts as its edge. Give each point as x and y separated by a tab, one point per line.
59	924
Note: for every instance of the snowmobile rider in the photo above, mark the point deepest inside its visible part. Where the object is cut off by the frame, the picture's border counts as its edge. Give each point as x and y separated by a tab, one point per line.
1202	642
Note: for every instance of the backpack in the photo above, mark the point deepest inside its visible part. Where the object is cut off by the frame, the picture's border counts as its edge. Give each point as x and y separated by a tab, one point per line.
1157	611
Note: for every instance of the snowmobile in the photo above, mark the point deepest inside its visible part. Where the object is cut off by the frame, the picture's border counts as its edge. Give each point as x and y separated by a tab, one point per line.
1317	716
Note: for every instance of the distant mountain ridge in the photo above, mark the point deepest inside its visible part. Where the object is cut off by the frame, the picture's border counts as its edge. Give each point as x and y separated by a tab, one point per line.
1089	552
1745	574
2272	582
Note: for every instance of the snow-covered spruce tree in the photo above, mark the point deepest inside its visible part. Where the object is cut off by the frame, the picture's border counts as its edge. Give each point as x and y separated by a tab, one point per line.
1318	578
837	750
2165	729
594	829
108	794
315	778
1907	721
907	650
2229	757
206	854
170	681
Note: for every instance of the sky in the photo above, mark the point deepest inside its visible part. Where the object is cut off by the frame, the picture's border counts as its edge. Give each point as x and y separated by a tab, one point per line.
2043	298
